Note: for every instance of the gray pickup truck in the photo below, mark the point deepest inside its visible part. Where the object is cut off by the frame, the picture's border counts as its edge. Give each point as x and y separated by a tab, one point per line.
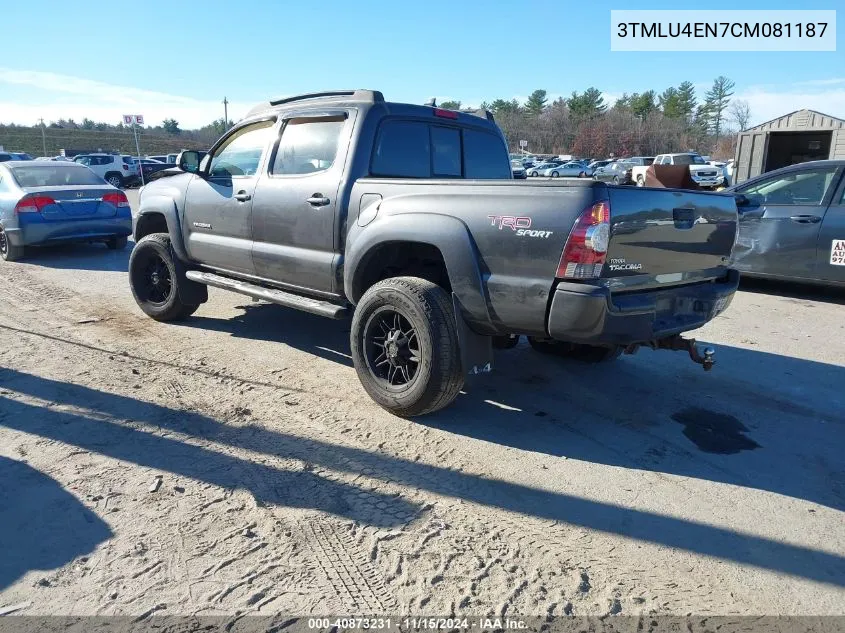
407	217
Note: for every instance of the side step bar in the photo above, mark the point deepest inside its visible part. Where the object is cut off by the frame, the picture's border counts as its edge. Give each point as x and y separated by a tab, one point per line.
287	299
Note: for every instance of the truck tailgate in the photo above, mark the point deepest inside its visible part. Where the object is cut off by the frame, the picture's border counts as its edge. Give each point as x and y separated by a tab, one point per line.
663	231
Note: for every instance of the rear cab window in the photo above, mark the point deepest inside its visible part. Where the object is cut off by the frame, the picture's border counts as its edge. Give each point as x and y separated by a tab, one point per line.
419	149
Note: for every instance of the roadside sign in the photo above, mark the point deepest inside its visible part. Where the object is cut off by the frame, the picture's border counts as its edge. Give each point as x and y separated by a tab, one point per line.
523	143
135	120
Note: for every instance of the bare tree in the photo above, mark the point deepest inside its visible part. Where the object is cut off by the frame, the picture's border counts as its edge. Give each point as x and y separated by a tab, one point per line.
740	114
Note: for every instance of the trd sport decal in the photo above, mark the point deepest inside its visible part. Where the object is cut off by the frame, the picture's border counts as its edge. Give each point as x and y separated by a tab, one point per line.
522	226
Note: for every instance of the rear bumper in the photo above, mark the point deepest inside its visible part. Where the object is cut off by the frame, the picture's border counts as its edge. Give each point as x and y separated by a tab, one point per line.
591	314
70	230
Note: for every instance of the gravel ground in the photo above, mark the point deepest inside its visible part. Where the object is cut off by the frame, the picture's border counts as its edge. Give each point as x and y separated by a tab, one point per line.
233	464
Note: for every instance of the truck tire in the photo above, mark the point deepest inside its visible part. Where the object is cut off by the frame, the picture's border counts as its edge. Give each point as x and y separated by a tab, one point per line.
404	342
576	351
155	281
8	251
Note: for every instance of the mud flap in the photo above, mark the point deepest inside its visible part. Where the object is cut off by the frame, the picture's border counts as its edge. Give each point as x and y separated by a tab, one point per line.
476	349
190	292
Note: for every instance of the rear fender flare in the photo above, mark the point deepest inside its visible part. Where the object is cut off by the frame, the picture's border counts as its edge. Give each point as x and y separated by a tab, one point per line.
448	234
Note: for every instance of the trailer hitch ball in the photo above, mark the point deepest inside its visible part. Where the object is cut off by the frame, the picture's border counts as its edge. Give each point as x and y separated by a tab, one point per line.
708	361
679	343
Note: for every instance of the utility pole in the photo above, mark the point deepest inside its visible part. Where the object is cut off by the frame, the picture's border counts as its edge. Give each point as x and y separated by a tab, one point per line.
43	137
225	113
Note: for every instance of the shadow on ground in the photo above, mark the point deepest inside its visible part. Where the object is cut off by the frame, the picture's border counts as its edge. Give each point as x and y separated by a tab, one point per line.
758	420
793	290
100	425
325	338
79	256
42	525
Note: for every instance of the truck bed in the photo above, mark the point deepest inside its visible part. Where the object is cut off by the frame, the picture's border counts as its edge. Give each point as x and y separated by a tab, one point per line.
658	237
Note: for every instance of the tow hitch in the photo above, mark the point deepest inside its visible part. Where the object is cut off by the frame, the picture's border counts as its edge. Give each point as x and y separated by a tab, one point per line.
678	343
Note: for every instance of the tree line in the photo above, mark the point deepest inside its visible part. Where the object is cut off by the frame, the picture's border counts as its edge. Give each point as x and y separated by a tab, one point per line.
644	123
207	134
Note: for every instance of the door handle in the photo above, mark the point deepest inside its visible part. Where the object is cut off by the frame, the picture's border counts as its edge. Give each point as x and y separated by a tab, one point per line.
318	200
805	219
242	196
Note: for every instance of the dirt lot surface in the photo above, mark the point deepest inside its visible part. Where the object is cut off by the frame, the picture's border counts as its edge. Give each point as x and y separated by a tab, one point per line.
233	463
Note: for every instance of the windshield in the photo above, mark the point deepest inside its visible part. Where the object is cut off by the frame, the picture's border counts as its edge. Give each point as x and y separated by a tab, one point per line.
689	159
55	176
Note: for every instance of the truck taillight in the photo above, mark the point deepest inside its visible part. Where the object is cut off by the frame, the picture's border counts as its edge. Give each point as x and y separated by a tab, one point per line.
586	247
117	198
33	203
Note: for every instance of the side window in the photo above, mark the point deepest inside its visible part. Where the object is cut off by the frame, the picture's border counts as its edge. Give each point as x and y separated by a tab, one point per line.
240	153
802	188
403	150
446	152
484	156
308	145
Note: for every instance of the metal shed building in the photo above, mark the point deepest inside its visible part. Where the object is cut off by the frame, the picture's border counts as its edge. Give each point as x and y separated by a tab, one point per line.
793	138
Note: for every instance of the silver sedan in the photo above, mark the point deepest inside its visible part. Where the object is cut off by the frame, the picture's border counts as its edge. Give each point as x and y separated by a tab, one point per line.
578	170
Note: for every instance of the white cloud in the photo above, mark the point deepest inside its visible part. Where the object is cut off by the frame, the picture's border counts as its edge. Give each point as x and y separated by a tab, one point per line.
64	96
768	103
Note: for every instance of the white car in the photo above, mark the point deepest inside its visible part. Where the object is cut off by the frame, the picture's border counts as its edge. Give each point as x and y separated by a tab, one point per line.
703	174
113	168
539	168
571	169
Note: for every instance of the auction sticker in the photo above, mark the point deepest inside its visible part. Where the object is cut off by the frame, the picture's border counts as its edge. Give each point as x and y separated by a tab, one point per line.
837	253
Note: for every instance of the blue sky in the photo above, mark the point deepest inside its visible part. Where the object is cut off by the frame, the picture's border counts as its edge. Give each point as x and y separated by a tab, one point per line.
171	58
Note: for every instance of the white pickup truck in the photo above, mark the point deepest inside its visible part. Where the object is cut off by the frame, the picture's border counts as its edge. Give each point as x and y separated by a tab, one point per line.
705	175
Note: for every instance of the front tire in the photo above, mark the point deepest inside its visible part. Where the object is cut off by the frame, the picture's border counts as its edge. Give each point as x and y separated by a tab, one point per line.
554	174
8	251
154	280
576	351
404	342
640	181
616	180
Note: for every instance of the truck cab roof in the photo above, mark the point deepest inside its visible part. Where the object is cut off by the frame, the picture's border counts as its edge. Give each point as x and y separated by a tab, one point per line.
360	97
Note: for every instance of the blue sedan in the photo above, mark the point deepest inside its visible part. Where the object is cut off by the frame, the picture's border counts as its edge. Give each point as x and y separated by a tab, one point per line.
44	202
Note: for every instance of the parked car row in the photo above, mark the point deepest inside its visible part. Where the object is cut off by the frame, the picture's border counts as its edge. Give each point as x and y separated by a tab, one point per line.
9	156
119	170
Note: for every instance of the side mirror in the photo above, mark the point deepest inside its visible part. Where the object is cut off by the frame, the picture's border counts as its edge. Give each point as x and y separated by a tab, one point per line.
741	200
189	161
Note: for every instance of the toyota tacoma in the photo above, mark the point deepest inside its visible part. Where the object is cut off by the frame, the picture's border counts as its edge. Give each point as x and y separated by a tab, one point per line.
407	218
